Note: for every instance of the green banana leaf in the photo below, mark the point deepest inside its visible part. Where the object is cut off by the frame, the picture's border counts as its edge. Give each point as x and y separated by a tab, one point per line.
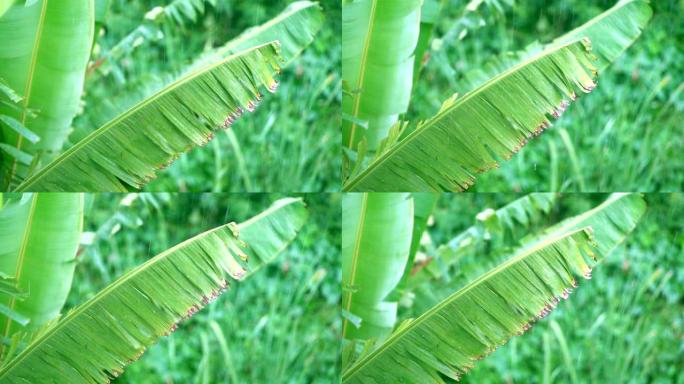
423	205
514	217
95	340
376	238
612	221
4	6
472	134
447	340
9	288
429	14
621	23
295	28
379	38
39	236
613	31
44	55
127	151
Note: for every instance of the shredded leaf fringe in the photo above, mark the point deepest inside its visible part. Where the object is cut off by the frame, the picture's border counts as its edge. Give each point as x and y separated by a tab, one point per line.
94	341
474	133
473	322
128	151
467	325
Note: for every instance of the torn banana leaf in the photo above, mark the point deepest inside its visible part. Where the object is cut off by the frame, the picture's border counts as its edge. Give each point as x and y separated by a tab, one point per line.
450	160
612	221
511	219
95	340
127	151
294	28
470	135
451	337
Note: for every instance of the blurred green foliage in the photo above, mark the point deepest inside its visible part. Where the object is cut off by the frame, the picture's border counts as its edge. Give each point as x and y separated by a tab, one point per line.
626	134
288	144
279	326
625	325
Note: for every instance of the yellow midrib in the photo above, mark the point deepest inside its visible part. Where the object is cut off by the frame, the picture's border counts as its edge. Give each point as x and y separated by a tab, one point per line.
362	71
29	81
355	258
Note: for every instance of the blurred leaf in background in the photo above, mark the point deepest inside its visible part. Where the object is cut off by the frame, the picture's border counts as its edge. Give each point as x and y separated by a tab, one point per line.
281	326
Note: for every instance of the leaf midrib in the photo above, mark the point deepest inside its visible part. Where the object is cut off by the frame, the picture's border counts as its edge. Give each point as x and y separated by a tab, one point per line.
430	122
355	257
362	69
29	81
107	126
397	335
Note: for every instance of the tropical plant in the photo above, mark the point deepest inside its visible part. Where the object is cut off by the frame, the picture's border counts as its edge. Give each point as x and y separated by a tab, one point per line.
532	262
43	66
509	102
96	339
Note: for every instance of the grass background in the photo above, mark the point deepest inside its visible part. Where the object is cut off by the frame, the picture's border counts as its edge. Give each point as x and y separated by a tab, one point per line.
279	326
291	142
624	136
625	325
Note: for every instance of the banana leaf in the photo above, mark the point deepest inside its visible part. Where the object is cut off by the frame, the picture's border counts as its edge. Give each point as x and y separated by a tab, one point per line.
126	152
451	337
379	38
376	238
43	57
39	236
95	340
473	134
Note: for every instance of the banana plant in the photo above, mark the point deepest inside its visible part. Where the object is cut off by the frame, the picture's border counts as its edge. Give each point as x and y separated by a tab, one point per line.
94	341
470	134
45	59
463	326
